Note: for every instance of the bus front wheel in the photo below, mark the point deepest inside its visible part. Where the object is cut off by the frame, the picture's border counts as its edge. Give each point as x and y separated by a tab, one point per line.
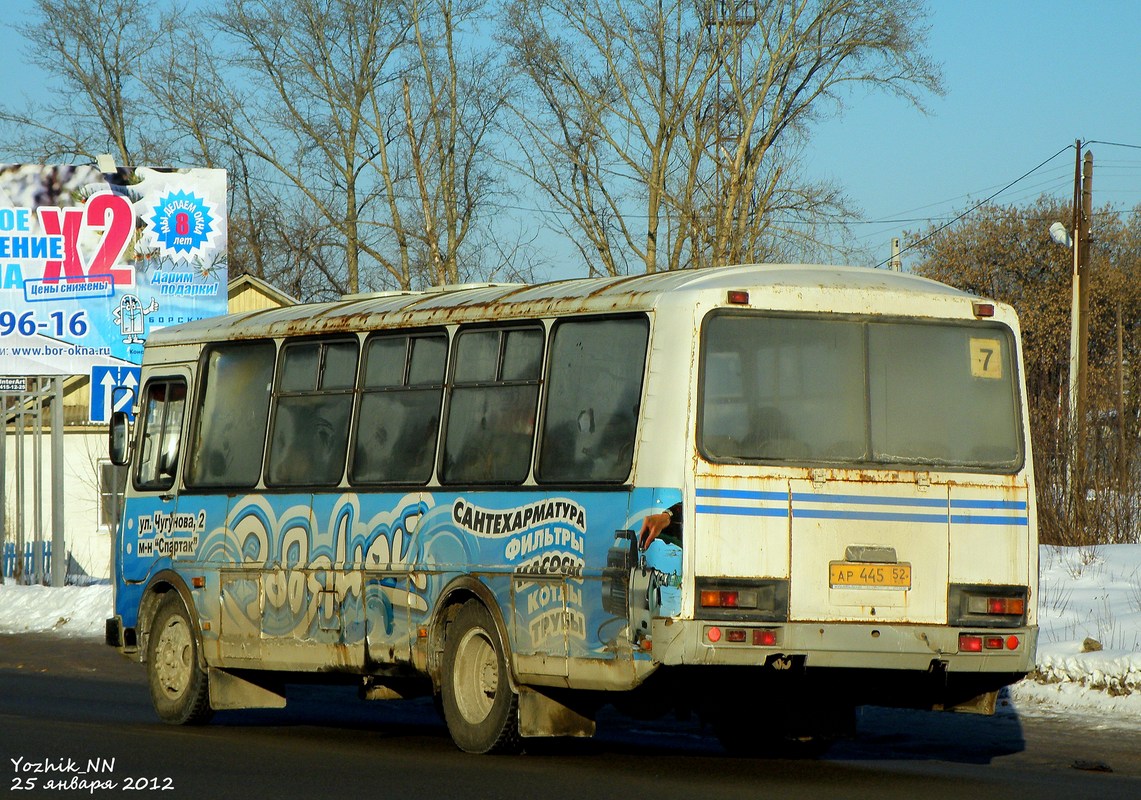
480	707
179	688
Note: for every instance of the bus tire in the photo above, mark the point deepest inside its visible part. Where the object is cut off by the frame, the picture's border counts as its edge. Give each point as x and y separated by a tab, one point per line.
480	707
179	686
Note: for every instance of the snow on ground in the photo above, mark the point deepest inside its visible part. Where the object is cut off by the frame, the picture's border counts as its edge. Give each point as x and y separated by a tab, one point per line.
68	610
1089	598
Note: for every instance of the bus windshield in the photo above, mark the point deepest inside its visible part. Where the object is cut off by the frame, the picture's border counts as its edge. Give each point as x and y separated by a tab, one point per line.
856	391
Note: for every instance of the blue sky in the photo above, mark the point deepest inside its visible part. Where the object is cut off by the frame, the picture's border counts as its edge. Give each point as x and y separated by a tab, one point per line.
1023	79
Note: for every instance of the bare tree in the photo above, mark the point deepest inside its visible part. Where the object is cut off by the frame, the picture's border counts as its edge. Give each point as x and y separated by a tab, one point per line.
182	76
355	133
134	79
375	122
309	73
94	50
667	131
452	97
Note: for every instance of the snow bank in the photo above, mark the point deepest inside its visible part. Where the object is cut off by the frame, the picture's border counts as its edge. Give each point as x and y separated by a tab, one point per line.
69	610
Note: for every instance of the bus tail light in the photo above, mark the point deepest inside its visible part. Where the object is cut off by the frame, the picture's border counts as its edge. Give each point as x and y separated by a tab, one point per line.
980	642
970	643
758	637
987	606
765	637
998	605
711	598
741	599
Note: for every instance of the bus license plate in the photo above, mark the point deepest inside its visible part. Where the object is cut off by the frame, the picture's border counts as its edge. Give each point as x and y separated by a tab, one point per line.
843	574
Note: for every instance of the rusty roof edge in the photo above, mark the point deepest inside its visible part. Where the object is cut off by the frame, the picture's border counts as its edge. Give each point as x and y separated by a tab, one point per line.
595	294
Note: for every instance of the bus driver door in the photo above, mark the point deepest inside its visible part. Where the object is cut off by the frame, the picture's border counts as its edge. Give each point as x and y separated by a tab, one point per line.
153	532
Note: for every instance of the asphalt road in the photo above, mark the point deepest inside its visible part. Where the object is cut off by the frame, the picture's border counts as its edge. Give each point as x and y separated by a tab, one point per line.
80	712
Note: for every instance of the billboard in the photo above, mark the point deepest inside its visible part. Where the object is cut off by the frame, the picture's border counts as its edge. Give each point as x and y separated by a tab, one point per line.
92	262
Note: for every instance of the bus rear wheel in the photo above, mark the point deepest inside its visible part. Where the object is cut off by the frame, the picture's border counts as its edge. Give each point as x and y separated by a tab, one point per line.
179	686
480	707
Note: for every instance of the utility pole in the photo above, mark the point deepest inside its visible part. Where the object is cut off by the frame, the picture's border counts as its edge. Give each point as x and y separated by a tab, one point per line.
1084	292
1082	266
1079	336
1122	462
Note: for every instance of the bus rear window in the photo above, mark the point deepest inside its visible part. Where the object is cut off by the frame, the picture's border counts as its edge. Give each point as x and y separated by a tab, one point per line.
844	391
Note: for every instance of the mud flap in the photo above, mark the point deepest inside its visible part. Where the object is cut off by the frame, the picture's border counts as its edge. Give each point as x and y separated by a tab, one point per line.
229	691
542	715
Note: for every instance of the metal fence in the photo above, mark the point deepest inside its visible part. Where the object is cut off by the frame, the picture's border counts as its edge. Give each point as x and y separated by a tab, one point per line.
27	562
23	403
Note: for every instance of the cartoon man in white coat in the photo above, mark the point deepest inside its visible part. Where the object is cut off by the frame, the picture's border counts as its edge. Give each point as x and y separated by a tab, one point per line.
131	318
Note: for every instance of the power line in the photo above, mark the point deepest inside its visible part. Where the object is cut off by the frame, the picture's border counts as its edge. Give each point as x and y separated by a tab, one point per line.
1114	144
977	206
884	222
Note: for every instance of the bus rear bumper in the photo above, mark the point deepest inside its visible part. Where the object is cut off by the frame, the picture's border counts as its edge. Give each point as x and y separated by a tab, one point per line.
907	647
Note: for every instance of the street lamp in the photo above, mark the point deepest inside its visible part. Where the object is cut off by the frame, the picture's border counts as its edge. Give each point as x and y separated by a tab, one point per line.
1060	235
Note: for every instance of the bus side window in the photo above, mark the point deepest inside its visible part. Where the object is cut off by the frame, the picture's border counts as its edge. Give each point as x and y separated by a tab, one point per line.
399	417
491	411
163	406
593	397
313	406
233	406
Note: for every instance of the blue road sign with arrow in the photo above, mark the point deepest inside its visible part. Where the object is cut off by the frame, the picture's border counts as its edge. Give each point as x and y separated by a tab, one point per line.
113	389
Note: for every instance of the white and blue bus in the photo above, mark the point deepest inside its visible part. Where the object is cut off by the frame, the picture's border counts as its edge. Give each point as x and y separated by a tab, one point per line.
762	494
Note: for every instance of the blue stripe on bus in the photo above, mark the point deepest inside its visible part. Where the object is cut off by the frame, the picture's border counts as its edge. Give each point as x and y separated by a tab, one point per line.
968	519
887	516
800	498
745	494
743	511
1012	505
